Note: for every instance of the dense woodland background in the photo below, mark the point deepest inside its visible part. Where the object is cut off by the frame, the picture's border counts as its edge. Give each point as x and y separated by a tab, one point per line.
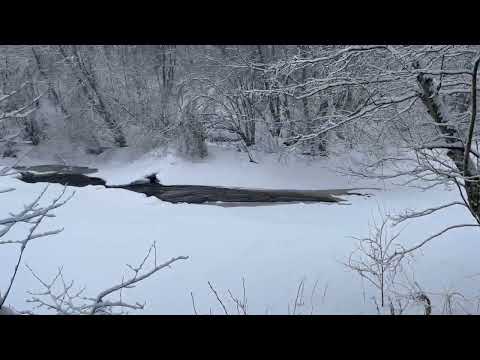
266	97
311	99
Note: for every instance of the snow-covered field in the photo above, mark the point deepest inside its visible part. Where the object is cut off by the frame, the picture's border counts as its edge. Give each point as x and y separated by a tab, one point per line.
272	247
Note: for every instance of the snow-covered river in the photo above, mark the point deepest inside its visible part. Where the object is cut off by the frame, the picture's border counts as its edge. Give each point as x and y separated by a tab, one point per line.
272	247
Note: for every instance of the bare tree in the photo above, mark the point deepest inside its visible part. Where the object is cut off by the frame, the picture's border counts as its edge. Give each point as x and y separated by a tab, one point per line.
412	105
374	258
382	260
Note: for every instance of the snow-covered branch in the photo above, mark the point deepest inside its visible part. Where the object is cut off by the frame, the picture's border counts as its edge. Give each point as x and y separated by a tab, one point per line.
59	296
33	214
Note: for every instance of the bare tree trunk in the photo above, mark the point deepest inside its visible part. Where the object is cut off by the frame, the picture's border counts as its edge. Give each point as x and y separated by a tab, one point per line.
165	72
315	144
457	153
52	93
273	100
90	90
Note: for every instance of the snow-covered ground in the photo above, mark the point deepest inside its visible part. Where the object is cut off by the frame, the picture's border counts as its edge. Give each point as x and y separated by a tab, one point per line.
272	247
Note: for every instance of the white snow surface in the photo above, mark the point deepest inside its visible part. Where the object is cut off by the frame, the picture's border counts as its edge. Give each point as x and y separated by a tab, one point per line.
272	247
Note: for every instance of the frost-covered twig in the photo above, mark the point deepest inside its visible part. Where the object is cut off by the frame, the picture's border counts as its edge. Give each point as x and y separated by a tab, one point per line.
240	304
405	251
139	276
21	112
193	303
218	298
410	214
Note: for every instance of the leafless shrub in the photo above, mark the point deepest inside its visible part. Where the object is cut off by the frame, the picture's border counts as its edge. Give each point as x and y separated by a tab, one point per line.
59	296
33	214
232	304
376	258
